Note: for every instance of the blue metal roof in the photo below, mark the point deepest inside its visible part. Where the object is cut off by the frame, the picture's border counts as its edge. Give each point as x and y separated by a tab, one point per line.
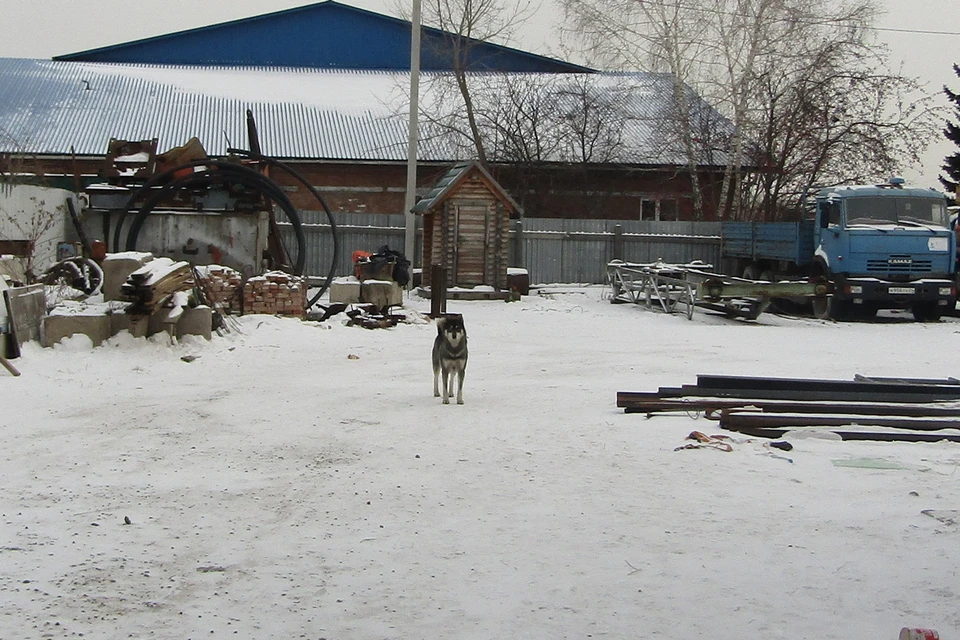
58	108
326	35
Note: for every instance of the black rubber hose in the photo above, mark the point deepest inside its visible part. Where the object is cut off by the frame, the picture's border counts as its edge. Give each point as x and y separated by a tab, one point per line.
164	178
205	178
226	172
159	178
316	194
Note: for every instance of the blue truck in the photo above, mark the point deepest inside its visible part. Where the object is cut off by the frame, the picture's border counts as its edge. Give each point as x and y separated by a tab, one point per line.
880	246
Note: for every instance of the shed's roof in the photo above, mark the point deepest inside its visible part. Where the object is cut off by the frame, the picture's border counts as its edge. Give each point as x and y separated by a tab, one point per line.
448	183
58	108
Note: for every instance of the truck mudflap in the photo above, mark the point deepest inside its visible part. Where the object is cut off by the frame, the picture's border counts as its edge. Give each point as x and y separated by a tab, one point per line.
896	295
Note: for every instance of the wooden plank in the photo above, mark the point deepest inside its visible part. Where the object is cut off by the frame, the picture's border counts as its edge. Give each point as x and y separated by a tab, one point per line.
27	306
817	395
6	364
632	403
751	383
877	436
18	248
736	420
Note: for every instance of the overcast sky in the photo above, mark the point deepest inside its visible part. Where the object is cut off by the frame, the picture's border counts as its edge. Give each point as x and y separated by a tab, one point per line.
924	35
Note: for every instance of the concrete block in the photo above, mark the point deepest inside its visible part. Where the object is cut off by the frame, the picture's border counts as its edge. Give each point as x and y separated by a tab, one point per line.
158	322
381	293
58	327
345	290
196	321
119	321
117	267
138	326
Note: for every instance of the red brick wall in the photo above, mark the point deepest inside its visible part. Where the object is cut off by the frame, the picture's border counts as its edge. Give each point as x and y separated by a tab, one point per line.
555	192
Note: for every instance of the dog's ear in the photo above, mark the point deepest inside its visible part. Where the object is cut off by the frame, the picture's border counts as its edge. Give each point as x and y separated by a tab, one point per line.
441	323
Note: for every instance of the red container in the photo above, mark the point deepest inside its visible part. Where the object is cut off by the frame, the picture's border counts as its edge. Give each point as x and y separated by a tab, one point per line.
912	633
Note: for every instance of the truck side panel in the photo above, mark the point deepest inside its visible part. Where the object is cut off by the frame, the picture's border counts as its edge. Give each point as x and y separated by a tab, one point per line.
736	239
776	241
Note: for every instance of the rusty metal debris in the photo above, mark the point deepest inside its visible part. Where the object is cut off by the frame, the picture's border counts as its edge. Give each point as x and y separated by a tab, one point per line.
867	408
702	440
370	316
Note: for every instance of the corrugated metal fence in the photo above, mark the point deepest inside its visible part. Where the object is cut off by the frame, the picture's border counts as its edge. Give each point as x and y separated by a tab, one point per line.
551	250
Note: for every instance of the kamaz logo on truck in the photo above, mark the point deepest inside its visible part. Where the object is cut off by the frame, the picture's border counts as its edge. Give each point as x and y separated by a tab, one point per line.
900	261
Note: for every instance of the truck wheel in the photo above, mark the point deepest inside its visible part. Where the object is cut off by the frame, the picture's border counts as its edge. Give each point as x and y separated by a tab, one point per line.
821	307
926	312
750	272
829	308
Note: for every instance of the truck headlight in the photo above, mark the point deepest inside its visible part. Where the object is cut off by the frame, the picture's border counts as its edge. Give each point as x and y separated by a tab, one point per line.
946	291
856	290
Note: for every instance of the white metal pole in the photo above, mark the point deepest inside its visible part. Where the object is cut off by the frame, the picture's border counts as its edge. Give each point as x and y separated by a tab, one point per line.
409	246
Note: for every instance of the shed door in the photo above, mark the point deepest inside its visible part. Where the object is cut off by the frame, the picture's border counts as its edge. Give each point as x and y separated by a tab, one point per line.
471	246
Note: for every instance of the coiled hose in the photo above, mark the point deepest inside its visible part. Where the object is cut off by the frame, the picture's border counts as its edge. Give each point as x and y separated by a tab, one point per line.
227	172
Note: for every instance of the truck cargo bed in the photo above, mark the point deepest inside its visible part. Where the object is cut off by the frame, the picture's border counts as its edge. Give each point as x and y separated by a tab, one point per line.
787	241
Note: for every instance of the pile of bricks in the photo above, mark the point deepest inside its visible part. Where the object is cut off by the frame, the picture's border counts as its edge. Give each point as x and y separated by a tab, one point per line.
223	286
276	293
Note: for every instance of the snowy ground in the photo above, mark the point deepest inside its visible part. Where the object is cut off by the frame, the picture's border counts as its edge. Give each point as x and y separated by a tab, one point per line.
299	480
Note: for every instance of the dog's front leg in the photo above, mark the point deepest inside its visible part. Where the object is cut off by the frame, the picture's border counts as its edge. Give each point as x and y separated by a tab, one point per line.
459	387
436	382
447	384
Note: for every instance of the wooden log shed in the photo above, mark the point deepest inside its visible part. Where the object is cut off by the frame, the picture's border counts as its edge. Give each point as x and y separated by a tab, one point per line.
466	224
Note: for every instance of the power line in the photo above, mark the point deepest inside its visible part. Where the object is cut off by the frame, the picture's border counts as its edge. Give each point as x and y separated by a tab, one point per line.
924	32
680	4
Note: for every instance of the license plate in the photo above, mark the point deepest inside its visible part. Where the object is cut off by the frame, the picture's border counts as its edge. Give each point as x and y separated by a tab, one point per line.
900	290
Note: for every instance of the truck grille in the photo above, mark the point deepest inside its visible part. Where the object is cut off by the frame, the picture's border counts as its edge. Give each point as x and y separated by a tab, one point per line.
899	264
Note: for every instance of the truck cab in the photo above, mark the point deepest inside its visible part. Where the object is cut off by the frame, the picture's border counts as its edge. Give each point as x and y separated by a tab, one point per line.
884	247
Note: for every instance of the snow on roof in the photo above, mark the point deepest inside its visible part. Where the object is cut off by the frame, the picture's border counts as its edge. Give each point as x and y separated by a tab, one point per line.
59	108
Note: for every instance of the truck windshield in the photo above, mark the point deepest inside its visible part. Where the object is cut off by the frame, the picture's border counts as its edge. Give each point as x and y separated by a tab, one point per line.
892	209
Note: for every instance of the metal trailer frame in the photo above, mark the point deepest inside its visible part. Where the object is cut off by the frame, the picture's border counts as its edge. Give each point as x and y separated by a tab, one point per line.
645	283
683	287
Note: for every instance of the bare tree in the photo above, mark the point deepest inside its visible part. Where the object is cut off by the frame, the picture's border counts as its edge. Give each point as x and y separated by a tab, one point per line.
776	69
40	225
549	129
467	24
656	36
838	118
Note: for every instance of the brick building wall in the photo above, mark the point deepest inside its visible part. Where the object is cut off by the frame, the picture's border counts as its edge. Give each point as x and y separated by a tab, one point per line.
616	193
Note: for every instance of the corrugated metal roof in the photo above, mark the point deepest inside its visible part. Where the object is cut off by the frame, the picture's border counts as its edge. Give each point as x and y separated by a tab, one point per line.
53	107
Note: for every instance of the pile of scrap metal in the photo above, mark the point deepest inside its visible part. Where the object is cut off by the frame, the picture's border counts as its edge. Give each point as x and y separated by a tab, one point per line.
684	287
359	314
866	408
141	182
370	317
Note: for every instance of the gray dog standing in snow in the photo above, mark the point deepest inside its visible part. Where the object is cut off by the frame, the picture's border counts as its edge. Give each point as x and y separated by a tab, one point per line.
449	356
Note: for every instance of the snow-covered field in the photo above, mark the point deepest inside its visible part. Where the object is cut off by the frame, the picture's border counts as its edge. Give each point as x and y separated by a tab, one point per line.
299	480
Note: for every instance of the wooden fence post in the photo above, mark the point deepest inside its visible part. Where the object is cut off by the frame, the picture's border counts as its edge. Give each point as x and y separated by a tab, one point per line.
618	242
517	249
438	290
